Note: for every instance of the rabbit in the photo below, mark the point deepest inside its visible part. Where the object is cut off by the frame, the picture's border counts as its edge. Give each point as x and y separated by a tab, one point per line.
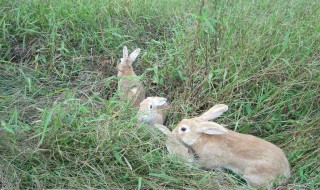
259	162
173	143
175	146
152	110
129	84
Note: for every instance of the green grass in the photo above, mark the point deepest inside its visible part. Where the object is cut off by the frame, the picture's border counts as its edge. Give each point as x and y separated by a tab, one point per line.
62	125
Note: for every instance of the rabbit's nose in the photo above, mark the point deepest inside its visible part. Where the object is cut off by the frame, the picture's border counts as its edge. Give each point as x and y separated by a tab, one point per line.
141	119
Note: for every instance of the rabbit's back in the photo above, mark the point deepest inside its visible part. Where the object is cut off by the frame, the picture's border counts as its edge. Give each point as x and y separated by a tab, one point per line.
131	88
243	154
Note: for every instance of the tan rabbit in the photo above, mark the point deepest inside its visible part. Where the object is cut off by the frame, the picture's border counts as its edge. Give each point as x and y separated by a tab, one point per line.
130	85
258	162
173	143
152	110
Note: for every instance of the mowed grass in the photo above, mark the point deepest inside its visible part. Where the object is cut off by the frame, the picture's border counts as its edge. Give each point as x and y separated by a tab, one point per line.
62	125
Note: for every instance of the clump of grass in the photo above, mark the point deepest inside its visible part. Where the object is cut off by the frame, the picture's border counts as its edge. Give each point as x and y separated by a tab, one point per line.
62	125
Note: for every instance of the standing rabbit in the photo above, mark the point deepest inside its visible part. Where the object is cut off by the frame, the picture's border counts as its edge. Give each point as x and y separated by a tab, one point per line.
258	162
130	85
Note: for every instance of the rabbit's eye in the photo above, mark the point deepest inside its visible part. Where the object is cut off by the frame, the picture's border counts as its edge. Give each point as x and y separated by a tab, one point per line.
183	129
150	106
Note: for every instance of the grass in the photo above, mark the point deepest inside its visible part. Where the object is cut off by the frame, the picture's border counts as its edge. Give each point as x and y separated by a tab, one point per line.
62	125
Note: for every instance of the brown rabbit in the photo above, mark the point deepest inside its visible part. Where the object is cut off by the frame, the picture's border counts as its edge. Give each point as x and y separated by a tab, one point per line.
258	161
130	86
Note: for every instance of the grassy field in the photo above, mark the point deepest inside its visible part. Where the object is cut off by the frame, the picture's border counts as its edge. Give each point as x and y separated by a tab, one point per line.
62	125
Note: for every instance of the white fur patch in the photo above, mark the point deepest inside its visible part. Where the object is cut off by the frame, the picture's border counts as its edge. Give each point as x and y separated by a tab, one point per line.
134	90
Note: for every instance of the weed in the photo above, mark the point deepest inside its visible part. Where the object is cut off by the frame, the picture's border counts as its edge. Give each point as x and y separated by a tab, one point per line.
62	125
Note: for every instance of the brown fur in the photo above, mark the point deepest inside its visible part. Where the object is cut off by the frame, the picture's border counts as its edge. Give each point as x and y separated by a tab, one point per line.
125	70
126	85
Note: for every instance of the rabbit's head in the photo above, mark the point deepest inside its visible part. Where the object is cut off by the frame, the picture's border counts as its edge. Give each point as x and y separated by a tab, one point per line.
148	108
127	60
190	130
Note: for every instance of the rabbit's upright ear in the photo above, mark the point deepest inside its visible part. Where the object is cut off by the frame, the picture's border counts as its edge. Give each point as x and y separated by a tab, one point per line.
210	128
158	101
134	54
213	112
125	52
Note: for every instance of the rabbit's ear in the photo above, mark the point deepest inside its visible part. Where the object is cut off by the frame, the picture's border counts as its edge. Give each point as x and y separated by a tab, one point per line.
125	52
158	101
213	112
134	54
210	128
163	129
